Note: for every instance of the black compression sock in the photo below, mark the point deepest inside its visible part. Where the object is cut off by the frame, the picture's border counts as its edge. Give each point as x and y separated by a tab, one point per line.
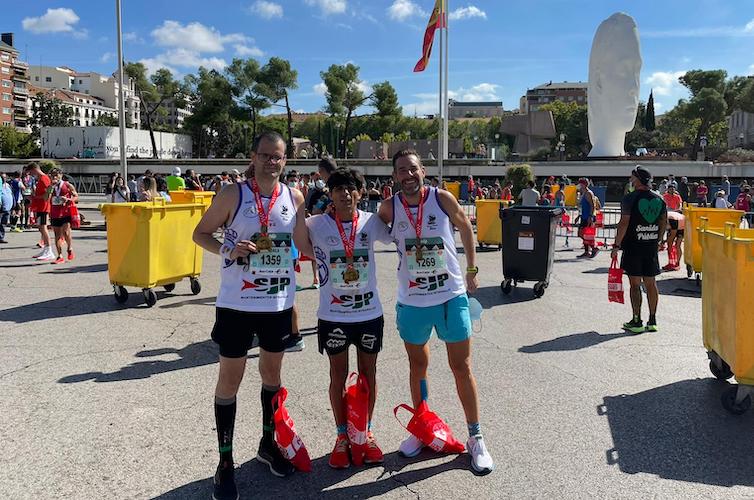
268	393
225	418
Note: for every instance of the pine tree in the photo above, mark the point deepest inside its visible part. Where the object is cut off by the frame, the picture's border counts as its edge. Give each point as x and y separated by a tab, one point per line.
649	123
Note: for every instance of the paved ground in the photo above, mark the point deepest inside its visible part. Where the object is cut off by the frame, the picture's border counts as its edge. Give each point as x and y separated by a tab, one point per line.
107	401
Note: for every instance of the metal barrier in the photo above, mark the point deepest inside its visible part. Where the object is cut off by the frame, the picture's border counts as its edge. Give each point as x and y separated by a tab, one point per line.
606	224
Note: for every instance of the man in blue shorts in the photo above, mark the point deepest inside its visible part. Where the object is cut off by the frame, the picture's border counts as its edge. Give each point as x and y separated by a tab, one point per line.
432	291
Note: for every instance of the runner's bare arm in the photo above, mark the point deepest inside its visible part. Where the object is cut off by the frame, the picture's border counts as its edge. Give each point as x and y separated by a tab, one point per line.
220	213
622	228
663	223
300	231
449	203
386	211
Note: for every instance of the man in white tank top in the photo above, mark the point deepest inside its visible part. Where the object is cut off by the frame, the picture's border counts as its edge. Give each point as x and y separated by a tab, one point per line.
257	286
432	291
350	312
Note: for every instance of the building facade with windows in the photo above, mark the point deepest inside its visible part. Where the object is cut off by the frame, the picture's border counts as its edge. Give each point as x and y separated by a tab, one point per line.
551	92
14	94
86	108
102	88
175	116
458	109
740	129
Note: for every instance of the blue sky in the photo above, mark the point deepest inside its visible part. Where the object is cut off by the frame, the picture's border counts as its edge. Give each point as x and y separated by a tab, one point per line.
499	48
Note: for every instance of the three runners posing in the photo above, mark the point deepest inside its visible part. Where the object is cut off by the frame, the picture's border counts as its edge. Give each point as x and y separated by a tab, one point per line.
261	218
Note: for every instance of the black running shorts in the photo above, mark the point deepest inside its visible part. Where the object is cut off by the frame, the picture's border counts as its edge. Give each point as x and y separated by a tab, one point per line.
644	264
335	338
234	331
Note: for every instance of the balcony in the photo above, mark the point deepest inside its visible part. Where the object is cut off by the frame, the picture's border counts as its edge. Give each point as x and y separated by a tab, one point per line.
20	64
21	91
19	77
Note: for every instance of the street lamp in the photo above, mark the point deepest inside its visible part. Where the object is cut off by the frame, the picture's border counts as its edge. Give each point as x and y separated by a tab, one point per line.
741	139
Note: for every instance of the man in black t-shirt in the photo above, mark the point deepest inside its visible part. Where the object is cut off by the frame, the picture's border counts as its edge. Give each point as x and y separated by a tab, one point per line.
643	220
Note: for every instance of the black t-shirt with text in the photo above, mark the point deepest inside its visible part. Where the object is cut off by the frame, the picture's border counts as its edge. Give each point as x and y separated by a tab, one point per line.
646	209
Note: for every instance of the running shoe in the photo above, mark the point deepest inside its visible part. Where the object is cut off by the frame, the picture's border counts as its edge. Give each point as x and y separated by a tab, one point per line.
17	230
48	255
411	446
40	253
71	255
339	458
583	255
595	251
270	455
294	343
40	245
3	241
59	260
652	326
373	454
634	326
481	461
315	286
224	484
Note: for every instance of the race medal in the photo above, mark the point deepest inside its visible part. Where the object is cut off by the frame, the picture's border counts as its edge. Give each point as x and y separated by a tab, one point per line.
418	252
263	243
416	223
351	274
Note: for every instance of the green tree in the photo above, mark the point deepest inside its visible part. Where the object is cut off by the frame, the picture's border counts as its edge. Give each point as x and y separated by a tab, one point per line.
649	120
244	77
344	95
571	120
519	175
15	144
49	112
154	93
106	121
211	124
385	100
277	78
707	101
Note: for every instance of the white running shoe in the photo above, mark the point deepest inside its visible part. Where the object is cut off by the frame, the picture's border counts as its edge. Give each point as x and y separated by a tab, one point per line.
411	446
41	252
481	461
48	255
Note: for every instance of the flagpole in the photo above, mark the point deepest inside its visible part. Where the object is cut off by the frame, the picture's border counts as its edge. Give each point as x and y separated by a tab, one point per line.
441	106
446	114
121	97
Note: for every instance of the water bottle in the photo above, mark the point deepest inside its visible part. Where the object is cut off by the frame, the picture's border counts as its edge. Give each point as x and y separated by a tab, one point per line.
475	311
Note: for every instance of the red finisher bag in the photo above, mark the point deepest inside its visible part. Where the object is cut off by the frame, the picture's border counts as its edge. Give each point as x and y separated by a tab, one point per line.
288	441
600	219
566	222
615	282
673	256
73	210
589	235
357	415
430	429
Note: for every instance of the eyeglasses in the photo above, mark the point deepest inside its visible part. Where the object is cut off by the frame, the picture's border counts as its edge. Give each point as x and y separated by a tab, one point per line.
270	158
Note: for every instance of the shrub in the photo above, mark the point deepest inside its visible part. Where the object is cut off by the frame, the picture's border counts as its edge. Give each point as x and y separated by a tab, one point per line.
737	155
47	165
519	175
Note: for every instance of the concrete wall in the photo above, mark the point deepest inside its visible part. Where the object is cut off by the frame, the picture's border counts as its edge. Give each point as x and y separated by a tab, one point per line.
104	143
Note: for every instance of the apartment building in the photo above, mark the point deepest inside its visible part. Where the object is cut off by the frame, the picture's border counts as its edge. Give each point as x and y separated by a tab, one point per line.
474	109
14	94
554	91
103	88
87	109
175	116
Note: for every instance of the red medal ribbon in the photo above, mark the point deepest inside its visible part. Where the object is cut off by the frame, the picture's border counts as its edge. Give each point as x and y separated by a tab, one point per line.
264	217
350	242
419	214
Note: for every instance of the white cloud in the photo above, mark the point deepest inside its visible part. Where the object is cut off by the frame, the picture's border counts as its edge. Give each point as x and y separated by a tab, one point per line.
182	58
266	10
82	34
706	32
320	89
246	51
53	21
749	28
467	13
665	83
481	92
751	69
427	103
402	10
106	57
133	37
328	6
195	37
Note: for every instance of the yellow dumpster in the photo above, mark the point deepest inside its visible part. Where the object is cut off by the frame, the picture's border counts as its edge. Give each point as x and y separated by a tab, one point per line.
728	308
204	197
454	188
570	192
489	230
692	249
150	244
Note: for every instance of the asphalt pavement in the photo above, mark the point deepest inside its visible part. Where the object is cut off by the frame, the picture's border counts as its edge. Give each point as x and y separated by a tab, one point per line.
102	400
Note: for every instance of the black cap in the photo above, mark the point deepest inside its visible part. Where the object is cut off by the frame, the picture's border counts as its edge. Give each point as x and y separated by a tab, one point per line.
642	174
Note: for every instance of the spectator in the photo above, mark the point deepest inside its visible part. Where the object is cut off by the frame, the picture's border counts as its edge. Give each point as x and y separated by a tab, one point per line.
16	187
663	187
27	192
560	195
672	199
471	187
175	182
133	188
683	189
40	205
319	201
192	181
140	181
529	196
588	209
547	199
720	200
111	183
63	199
743	201
507	193
121	193
672	182
701	194
162	189
6	205
387	189
726	187
149	191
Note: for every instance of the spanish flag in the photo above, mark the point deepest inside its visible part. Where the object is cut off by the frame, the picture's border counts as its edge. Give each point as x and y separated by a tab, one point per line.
436	21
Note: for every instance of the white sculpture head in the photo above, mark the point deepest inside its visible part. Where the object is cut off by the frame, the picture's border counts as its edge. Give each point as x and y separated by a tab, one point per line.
613	96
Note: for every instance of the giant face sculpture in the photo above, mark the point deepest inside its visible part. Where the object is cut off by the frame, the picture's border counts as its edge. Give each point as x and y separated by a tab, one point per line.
614	68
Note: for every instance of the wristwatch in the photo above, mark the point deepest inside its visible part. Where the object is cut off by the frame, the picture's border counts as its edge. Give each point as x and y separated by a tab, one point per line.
472	269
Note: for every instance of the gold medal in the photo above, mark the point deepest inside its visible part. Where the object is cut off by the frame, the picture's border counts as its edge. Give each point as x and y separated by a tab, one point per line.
263	243
418	253
351	274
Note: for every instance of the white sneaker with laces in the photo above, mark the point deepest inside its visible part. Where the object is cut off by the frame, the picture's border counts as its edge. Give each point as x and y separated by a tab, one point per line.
41	253
411	446
48	255
481	461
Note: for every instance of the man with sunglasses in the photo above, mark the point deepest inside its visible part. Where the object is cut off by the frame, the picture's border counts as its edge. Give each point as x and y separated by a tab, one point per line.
257	283
350	312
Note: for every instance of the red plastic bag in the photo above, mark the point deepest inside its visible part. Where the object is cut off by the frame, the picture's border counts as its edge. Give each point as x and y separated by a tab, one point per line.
430	429
287	439
75	217
600	220
673	256
357	415
566	222
589	235
615	282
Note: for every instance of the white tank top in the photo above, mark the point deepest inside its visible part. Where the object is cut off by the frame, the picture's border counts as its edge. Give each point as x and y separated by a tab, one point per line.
356	300
268	283
436	277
